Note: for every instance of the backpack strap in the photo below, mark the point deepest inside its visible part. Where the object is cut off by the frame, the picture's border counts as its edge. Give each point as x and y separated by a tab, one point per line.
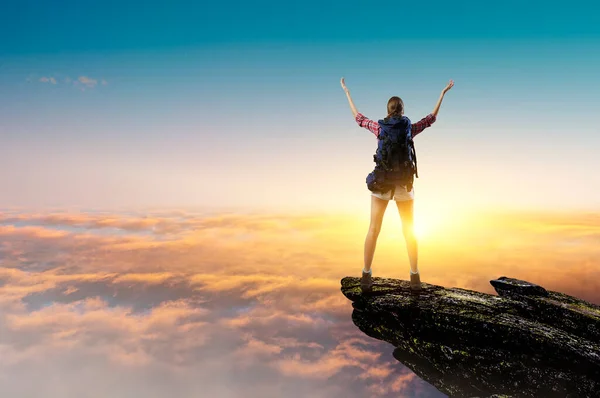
414	153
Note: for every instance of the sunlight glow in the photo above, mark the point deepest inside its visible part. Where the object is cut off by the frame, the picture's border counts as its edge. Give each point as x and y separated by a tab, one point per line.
429	223
421	229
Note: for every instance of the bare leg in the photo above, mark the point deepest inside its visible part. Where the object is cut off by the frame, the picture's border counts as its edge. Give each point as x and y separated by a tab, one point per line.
405	208
378	207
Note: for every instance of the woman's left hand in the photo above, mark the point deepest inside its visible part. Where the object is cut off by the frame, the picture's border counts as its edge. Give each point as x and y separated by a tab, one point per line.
344	85
352	107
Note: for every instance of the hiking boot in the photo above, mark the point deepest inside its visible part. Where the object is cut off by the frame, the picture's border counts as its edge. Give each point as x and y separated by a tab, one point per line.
415	281
366	283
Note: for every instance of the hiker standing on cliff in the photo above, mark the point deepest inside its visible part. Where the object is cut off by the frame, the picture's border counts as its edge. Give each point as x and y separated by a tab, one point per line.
393	176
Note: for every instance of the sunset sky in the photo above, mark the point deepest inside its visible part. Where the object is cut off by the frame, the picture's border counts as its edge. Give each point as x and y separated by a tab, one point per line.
182	185
239	105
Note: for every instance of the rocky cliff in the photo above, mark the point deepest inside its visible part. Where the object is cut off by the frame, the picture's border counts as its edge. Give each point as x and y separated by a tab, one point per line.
524	342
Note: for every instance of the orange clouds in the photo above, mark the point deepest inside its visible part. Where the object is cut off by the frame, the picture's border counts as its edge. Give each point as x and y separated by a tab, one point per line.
30	232
197	302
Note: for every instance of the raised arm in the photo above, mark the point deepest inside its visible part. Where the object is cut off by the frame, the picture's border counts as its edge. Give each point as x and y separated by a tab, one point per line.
352	107
439	102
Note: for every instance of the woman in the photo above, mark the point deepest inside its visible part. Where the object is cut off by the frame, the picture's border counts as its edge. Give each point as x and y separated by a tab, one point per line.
404	200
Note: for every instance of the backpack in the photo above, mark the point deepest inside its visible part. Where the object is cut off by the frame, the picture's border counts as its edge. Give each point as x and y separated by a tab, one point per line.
395	158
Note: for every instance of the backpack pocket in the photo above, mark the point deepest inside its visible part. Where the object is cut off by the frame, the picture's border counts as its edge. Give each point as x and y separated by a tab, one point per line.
376	182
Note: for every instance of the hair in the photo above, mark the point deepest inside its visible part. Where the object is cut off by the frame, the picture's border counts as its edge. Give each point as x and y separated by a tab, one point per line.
395	107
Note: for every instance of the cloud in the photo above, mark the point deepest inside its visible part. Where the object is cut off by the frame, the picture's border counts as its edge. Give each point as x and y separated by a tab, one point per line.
94	321
82	82
44	79
235	305
87	81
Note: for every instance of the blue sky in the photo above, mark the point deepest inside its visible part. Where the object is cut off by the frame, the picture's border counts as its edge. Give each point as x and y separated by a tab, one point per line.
64	26
166	104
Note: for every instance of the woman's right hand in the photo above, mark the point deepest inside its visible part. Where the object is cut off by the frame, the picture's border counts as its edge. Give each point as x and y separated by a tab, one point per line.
448	87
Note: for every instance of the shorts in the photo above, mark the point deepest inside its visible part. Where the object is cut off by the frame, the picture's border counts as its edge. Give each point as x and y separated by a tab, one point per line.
400	194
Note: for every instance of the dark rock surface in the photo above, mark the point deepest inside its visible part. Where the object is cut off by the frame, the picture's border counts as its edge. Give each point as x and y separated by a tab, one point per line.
526	342
507	287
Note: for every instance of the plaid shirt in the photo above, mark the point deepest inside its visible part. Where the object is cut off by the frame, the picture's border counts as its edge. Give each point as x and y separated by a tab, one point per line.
374	127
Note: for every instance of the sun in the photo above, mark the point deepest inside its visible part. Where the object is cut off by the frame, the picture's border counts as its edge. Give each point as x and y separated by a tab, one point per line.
428	222
420	228
424	226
